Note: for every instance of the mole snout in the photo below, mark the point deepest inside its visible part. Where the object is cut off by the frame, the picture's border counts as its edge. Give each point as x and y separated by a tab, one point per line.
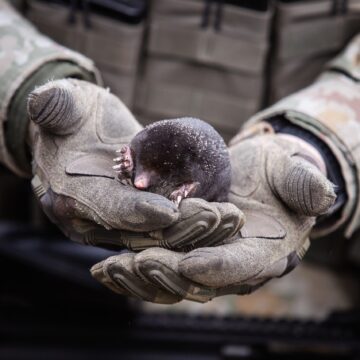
177	158
142	182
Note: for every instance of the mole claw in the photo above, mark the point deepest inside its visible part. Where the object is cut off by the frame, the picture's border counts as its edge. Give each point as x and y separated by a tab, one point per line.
124	162
125	181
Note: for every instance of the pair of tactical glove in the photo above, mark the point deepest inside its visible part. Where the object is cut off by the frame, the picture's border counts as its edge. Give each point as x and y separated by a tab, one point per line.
197	251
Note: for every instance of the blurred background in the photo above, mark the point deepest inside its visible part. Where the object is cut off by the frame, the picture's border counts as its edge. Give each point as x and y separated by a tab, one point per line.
221	61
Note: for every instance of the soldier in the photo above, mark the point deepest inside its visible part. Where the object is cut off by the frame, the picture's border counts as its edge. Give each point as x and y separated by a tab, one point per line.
295	172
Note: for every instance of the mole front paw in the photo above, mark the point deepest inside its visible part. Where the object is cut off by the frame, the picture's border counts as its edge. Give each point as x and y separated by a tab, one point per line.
176	196
124	163
182	192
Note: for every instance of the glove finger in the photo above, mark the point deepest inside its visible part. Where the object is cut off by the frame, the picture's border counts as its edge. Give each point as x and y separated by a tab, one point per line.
160	267
117	273
201	223
244	261
125	208
198	219
97	271
231	221
81	224
112	206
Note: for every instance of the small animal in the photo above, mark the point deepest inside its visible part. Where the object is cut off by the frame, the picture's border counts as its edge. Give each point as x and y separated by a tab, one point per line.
177	158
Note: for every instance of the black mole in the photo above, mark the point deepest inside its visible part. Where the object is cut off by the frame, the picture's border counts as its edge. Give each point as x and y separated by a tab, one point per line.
177	158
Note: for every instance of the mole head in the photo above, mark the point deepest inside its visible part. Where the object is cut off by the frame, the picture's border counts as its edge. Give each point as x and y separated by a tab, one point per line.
162	158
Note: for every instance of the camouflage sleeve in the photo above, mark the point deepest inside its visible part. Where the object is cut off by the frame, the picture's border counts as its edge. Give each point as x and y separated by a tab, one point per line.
330	109
23	52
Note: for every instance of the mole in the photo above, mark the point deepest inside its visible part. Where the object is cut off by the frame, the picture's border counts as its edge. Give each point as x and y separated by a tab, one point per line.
177	158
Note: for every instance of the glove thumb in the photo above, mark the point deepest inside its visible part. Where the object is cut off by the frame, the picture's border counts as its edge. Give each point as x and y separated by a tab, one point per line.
302	187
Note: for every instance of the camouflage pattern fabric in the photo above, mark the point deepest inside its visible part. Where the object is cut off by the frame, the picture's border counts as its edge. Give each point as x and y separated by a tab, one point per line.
22	52
349	60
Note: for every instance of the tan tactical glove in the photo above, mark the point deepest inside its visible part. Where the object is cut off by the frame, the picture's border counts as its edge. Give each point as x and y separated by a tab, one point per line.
77	126
277	183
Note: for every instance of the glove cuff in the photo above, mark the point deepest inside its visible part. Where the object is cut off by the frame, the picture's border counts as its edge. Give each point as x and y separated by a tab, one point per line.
27	52
329	109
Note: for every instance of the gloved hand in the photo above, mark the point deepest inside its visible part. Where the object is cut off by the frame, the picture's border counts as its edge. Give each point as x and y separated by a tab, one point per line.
76	128
277	183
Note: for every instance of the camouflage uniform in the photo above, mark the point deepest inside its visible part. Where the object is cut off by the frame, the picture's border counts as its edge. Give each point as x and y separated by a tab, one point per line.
22	53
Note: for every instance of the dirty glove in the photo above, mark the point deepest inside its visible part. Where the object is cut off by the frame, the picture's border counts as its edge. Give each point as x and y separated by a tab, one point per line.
278	185
76	128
